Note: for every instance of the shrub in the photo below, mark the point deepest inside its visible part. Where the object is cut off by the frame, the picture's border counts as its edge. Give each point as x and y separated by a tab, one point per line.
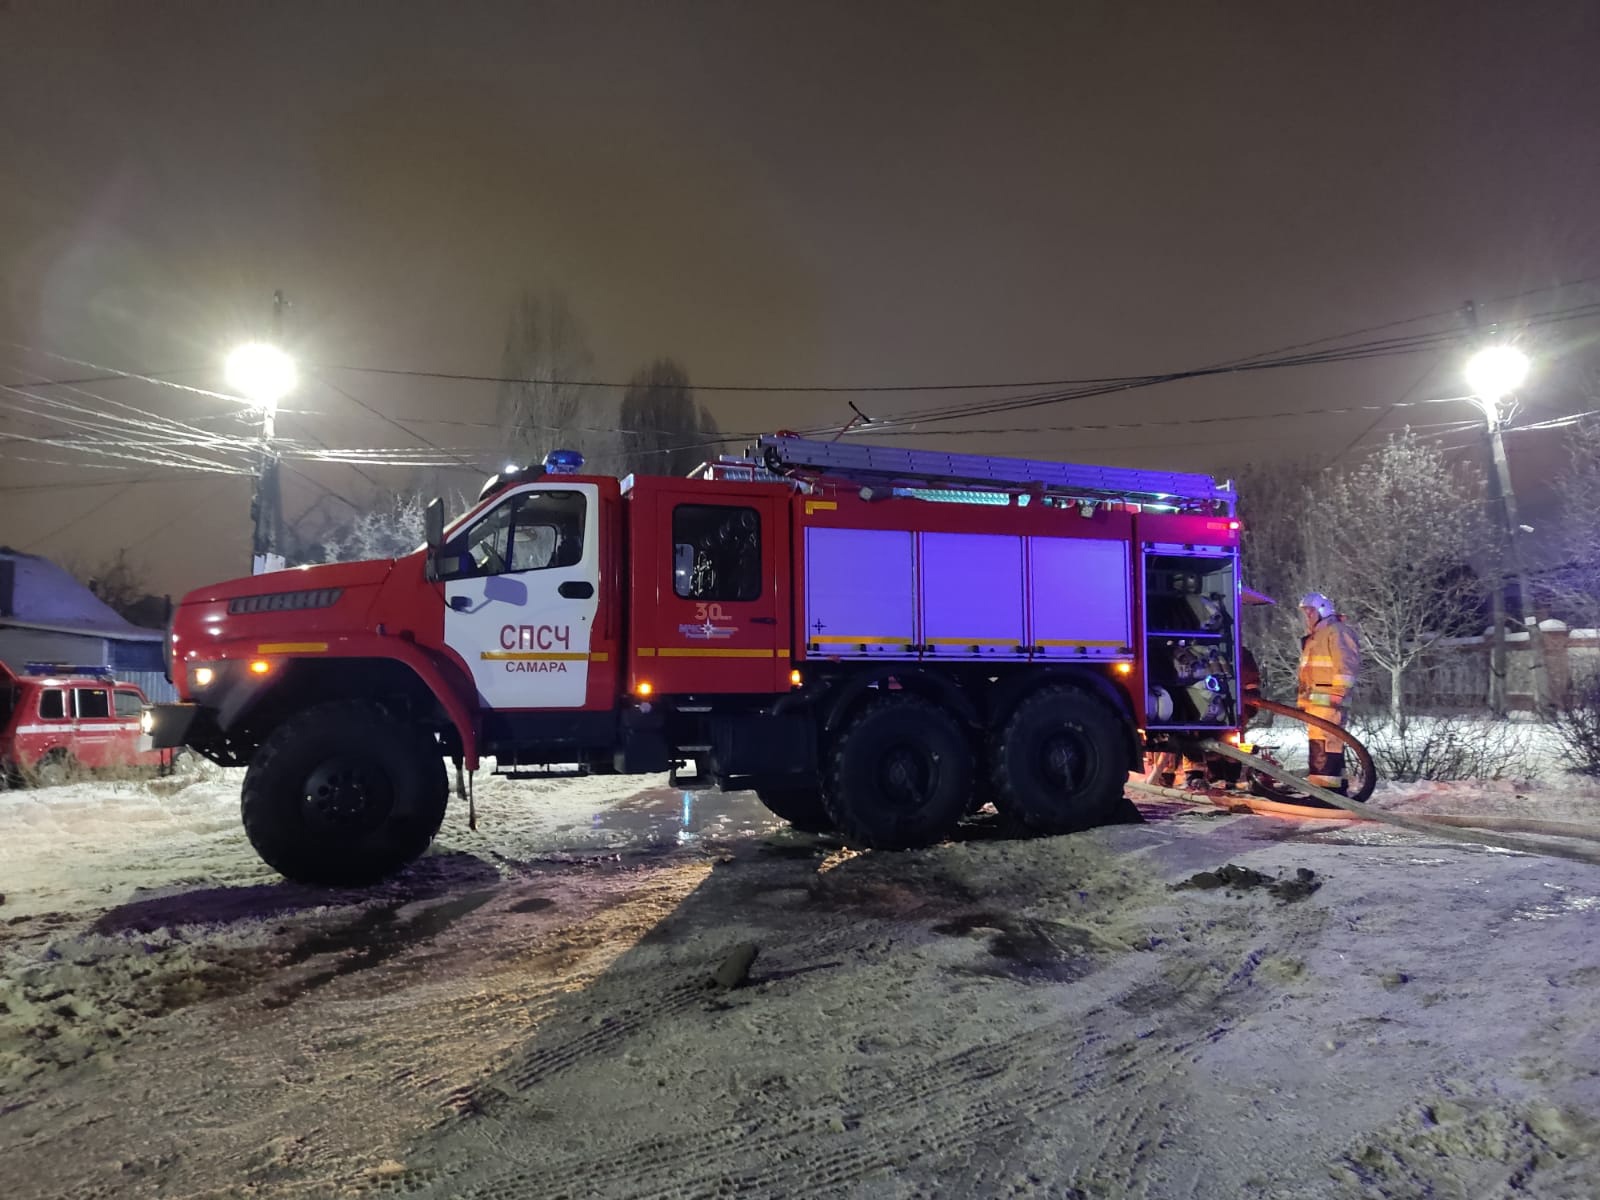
1577	724
1446	748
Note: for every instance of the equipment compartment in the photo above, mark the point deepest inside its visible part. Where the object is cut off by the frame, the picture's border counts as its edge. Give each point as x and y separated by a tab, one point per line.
1191	653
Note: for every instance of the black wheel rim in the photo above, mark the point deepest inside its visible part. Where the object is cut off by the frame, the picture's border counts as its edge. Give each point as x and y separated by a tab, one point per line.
1065	760
908	776
347	795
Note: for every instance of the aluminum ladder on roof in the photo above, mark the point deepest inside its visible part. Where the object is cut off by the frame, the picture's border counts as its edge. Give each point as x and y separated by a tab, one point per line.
890	464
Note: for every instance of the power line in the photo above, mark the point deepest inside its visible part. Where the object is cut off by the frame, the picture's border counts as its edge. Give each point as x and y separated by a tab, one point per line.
79	485
1356	352
385	417
867	389
78	520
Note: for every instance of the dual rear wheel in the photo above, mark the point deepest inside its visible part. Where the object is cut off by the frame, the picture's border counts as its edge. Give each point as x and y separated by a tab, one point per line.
904	772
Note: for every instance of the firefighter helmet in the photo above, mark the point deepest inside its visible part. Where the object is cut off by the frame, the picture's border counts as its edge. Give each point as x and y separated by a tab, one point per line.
1317	603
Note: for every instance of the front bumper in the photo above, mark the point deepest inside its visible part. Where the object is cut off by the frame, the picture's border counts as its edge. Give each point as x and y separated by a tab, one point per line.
166	726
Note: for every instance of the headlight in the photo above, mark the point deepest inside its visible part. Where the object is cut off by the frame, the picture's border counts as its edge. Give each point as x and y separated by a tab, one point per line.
147	722
203	676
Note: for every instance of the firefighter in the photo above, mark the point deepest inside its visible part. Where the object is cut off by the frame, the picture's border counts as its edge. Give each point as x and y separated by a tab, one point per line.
1330	661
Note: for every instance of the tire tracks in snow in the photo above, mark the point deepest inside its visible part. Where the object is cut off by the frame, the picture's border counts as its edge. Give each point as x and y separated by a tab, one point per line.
973	1117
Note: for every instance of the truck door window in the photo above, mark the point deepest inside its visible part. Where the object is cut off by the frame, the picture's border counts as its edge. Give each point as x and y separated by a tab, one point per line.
52	705
716	552
535	531
128	703
93	703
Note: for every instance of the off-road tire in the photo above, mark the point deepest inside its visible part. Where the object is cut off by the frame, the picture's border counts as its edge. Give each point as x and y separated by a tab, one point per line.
1059	764
899	776
801	807
344	794
54	768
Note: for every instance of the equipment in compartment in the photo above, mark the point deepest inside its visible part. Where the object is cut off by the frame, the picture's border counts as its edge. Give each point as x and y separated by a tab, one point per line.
1190	652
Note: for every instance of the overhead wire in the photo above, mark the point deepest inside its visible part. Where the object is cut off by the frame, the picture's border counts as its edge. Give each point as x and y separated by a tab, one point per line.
992	385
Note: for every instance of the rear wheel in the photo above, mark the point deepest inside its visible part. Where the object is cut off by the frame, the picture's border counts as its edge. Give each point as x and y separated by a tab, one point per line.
1060	763
801	807
344	793
900	775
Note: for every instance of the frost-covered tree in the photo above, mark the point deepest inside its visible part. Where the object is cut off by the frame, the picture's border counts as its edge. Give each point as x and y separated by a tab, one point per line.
663	432
1389	540
392	526
550	405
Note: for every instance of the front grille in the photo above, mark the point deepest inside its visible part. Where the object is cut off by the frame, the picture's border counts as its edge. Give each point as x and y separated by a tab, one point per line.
285	601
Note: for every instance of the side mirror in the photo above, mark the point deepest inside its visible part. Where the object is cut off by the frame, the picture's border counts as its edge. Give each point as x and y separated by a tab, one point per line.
433	523
433	530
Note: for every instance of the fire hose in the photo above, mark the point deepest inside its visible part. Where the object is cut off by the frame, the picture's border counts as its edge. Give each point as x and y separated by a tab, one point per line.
1507	833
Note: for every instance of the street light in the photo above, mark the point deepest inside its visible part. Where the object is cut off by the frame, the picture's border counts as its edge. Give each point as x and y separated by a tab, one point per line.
1494	373
263	374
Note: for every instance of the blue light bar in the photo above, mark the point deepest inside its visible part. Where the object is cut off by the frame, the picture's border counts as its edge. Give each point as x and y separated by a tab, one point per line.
563	462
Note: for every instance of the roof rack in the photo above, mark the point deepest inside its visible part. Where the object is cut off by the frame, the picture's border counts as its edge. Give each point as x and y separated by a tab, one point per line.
782	455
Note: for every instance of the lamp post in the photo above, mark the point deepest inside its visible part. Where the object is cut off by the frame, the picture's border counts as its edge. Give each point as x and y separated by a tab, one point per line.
1494	373
263	374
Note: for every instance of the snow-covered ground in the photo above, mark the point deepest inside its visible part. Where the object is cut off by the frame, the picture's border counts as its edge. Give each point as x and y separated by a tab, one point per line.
525	1012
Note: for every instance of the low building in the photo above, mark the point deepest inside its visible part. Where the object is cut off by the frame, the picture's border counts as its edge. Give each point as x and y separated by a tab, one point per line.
48	617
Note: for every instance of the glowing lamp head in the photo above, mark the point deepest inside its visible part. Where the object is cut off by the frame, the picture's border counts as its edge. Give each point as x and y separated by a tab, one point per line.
1496	371
563	462
260	666
203	676
261	373
643	689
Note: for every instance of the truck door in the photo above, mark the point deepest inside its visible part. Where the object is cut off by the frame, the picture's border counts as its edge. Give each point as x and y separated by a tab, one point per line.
95	736
521	586
721	621
126	705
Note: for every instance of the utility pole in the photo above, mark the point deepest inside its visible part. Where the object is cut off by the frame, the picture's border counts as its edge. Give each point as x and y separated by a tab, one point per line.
266	503
1503	498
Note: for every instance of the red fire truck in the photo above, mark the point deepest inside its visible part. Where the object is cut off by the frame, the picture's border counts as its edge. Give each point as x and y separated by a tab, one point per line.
875	640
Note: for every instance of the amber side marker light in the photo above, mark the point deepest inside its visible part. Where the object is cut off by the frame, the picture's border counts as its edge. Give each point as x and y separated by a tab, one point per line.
794	678
260	666
1124	668
642	689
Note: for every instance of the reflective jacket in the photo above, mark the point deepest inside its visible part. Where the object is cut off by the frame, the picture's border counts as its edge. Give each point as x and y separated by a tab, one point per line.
1330	663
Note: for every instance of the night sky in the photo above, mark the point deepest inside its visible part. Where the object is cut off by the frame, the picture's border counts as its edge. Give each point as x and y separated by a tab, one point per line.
858	193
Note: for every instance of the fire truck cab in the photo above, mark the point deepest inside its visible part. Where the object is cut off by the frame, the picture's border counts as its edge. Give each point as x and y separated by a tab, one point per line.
876	641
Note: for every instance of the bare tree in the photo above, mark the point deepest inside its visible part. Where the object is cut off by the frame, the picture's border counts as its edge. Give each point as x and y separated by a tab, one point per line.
116	582
1390	540
663	432
547	352
1578	583
1274	509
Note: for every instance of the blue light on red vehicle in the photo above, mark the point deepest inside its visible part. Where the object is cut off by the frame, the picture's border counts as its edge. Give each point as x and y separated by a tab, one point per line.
563	462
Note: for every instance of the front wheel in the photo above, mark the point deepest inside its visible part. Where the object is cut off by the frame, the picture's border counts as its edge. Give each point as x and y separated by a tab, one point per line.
343	794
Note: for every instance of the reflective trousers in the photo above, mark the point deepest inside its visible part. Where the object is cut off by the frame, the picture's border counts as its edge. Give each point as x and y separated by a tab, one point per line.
1326	768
